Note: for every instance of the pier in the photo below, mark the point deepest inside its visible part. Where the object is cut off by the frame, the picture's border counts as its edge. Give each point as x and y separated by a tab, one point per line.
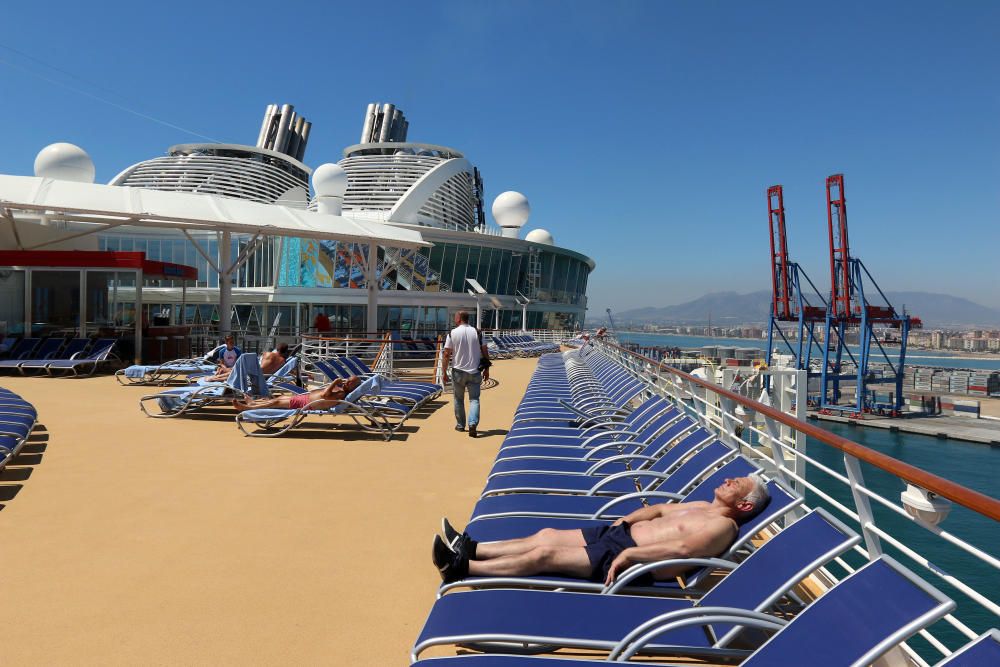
936	426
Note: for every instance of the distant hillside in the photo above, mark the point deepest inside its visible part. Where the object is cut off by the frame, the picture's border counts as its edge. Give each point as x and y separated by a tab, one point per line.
936	310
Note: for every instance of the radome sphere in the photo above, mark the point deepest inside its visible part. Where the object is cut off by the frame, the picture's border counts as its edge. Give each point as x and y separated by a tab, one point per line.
511	209
329	180
65	162
540	236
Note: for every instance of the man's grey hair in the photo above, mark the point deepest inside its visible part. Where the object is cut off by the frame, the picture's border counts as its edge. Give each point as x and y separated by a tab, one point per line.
759	496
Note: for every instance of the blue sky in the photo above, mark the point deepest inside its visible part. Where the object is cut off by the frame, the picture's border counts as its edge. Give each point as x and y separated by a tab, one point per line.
643	133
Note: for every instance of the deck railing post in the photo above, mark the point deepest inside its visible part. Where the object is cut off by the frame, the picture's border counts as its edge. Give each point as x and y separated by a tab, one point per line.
865	516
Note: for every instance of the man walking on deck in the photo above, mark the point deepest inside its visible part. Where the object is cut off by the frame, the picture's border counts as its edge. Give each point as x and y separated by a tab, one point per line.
465	349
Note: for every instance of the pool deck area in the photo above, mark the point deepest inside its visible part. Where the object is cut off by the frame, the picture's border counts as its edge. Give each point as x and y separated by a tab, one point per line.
127	539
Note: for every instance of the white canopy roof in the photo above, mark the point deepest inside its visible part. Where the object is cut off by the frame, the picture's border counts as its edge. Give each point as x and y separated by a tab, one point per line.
116	205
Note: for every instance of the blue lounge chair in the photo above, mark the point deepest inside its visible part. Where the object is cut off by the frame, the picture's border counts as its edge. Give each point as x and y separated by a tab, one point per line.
74	348
178	370
607	458
101	352
244	382
854	623
405	392
22	349
42	353
583	620
603	507
361	405
782	502
671	473
984	650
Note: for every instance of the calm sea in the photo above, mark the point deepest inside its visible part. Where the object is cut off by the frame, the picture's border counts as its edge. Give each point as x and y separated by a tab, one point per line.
934	358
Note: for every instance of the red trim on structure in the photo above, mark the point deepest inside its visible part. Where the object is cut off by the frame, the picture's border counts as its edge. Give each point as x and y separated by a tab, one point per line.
99	259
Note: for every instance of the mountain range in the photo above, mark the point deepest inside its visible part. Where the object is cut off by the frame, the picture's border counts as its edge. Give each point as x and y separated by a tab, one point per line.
730	309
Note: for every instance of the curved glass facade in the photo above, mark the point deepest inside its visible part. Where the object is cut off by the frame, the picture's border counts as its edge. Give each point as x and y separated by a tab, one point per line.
554	279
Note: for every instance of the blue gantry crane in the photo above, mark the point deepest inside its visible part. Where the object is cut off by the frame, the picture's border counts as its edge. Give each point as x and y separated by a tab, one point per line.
852	306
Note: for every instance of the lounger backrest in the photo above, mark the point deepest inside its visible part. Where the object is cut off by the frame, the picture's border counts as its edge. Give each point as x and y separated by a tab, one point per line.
782	501
984	650
672	456
780	563
857	620
23	348
340	368
101	349
369	387
692	468
705	490
357	365
75	346
49	347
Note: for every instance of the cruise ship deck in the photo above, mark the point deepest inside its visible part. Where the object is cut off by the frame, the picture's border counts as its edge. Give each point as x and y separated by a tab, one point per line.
136	540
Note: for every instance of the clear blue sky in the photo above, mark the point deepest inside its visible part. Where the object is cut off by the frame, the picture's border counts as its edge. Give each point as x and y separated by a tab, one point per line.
643	133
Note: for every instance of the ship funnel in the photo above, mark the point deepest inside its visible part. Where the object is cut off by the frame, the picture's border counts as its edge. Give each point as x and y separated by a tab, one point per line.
284	131
384	123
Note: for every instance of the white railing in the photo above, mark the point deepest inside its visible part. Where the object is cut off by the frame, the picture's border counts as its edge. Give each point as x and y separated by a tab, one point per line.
774	433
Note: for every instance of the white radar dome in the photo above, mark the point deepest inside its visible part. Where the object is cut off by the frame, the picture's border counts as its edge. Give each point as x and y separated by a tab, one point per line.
511	209
65	162
329	180
540	236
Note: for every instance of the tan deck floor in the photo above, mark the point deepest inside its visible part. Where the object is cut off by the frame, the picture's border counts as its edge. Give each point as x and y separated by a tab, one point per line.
131	540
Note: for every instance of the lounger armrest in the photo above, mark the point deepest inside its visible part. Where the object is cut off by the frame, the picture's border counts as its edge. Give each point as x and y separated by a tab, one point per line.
646	632
639	569
627	474
586	443
614	444
599	514
594	469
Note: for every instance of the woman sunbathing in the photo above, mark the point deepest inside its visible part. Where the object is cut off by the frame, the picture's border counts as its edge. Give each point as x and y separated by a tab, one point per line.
317	399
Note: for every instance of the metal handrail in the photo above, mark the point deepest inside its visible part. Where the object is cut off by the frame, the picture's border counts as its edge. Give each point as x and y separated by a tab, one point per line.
978	502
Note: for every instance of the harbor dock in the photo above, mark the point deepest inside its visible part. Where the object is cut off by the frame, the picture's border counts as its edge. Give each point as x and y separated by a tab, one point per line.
983	431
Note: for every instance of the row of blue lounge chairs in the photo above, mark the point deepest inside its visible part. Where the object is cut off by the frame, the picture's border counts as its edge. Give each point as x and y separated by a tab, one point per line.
558	468
377	405
523	345
17	420
56	355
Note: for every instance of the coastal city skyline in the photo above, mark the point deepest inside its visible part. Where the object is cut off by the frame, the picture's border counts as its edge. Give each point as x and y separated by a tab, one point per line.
715	108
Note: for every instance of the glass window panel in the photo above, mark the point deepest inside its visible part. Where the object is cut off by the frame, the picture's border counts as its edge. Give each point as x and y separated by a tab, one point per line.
11	302
55	302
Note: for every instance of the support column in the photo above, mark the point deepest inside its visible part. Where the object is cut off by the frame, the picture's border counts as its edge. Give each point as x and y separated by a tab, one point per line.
138	316
371	283
225	285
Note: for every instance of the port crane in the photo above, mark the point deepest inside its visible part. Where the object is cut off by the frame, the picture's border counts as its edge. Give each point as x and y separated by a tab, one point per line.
789	303
851	305
611	321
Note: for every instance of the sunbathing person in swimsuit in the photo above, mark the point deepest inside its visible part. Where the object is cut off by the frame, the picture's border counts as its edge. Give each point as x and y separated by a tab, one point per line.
272	361
676	530
317	399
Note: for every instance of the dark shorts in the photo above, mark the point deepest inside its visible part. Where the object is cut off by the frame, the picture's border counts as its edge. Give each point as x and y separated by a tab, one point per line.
604	543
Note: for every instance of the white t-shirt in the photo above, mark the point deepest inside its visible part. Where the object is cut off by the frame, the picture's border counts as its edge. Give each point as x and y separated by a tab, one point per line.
464	344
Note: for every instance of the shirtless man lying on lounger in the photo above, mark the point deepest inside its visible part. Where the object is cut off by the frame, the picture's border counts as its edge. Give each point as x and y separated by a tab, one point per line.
317	399
670	530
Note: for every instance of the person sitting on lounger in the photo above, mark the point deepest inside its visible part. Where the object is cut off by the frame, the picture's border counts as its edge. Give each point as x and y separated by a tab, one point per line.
670	530
272	361
224	357
317	399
